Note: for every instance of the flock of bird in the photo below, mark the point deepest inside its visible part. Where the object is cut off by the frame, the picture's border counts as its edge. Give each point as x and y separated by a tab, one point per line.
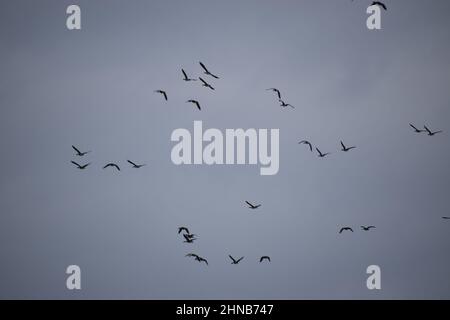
184	231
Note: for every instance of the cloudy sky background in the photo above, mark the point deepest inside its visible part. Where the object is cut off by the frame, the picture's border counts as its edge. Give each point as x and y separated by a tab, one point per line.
94	88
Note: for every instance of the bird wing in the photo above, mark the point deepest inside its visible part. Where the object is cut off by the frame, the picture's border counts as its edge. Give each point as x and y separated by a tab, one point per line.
203	66
184	73
342	144
164	94
204	82
278	93
131	162
75	164
320	153
412	126
78	151
117	167
427	129
240	259
249	203
232	258
198	105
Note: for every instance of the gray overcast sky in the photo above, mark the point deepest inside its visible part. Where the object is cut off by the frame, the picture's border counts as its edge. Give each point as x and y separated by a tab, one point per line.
94	88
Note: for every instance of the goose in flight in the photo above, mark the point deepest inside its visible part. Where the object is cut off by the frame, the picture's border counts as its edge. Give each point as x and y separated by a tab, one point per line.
430	133
195	102
136	166
378	3
415	129
251	206
79	153
276	91
322	155
81	167
264	258
206	84
186	78
181	229
163	93
284	104
188	239
345	149
367	228
345	229
206	71
307	143
113	165
234	260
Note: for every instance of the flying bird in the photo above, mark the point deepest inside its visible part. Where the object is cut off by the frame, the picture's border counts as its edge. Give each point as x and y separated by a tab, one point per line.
276	91
446	218
345	229
430	133
367	228
251	206
186	78
264	258
112	165
206	84
181	229
188	239
79	153
207	71
322	155
345	149
162	92
234	260
190	236
81	167
284	104
307	143
378	3
191	255
415	129
195	102
136	166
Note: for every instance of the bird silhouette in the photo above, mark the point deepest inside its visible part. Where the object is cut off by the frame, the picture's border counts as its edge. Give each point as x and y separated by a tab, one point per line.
322	155
113	165
345	229
446	218
163	93
251	206
195	102
190	236
191	255
188	239
276	91
79	153
234	260
136	166
206	71
284	104
264	258
345	149
181	229
378	3
367	228
307	143
415	129
205	84
81	167
186	78
430	133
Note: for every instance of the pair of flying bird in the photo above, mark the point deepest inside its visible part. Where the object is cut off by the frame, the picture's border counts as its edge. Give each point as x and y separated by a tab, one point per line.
234	261
323	155
362	228
425	129
188	237
281	101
